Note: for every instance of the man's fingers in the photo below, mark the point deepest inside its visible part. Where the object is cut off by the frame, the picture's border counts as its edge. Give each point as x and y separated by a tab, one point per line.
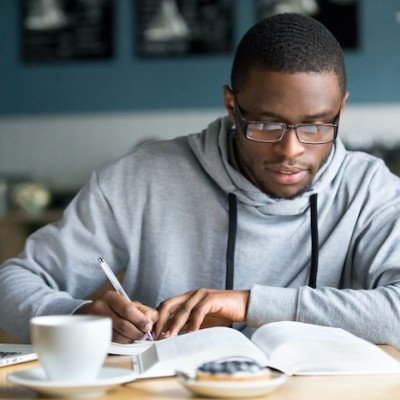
131	320
166	311
125	331
201	308
150	313
184	311
192	313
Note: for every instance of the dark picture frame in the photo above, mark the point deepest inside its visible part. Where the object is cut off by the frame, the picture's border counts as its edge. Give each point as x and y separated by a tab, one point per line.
62	30
165	28
341	17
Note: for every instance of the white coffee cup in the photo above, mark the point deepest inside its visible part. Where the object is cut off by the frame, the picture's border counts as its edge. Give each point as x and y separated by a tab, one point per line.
71	348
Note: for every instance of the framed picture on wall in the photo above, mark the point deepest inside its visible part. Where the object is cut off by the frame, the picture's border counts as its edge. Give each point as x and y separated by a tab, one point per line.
60	30
166	28
339	16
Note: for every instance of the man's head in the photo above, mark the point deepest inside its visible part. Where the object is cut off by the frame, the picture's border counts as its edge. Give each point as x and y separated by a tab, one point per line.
288	43
288	69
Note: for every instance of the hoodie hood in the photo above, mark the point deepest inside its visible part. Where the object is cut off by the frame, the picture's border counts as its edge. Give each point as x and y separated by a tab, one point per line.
212	149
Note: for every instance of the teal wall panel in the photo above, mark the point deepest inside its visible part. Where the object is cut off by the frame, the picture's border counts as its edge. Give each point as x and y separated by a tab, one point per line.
127	83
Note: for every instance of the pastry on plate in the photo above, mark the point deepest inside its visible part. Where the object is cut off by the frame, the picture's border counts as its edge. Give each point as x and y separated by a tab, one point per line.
232	369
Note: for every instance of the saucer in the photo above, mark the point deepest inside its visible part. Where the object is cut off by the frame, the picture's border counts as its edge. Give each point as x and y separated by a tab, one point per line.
232	389
35	378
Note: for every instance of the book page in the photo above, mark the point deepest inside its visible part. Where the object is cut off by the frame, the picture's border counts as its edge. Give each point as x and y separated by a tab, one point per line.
129	349
188	351
305	349
333	357
271	336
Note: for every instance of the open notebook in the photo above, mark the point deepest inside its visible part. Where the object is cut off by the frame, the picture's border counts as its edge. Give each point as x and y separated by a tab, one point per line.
16	353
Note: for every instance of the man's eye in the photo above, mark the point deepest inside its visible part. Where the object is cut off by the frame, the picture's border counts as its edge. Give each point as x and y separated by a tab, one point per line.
309	128
266	127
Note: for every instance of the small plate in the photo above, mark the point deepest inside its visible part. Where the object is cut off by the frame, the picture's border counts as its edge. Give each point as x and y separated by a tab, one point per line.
233	389
35	378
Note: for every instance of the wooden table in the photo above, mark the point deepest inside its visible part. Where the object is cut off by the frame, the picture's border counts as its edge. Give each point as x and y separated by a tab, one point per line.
376	387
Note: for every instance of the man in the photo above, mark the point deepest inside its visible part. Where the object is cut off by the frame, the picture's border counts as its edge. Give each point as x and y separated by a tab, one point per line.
264	216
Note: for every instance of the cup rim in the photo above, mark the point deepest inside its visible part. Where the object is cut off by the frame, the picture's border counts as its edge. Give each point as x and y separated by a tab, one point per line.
65	320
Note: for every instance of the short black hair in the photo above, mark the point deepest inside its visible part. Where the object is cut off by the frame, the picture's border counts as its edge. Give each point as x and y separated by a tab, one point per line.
288	43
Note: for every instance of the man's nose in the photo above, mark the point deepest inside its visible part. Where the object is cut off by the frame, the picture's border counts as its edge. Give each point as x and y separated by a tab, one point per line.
290	146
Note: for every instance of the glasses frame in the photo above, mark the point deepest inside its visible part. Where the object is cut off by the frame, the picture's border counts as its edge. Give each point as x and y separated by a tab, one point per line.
244	123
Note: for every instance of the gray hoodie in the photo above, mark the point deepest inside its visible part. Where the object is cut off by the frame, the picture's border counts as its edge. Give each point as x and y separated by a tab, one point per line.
161	214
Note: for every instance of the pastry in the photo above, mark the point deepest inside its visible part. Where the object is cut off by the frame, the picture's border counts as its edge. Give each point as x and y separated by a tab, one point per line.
232	369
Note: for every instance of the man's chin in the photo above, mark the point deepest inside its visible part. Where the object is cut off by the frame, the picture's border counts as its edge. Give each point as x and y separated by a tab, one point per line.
285	193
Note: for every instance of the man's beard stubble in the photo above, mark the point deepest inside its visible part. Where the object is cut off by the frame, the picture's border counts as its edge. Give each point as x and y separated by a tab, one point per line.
248	170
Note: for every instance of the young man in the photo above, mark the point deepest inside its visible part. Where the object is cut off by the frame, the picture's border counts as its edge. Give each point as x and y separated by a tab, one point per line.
263	216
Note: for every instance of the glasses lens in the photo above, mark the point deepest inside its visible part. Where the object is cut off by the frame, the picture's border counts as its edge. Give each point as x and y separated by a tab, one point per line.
316	133
265	132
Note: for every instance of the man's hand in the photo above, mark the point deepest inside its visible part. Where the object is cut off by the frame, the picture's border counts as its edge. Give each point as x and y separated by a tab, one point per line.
131	320
201	308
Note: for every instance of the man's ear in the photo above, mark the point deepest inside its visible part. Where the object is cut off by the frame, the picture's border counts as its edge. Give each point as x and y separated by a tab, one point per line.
229	102
343	105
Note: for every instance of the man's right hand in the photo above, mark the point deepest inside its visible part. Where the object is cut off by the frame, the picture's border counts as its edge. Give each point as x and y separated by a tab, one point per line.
131	320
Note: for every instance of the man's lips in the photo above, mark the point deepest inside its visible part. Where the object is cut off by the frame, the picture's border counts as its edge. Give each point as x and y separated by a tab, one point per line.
287	176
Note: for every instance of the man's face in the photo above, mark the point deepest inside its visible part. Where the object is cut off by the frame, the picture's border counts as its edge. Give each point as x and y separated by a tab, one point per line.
284	169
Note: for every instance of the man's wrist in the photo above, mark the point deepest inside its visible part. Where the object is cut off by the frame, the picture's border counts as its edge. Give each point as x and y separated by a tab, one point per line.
82	308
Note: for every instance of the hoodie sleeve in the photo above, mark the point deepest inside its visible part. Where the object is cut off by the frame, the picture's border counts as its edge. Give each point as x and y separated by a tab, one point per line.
368	303
58	267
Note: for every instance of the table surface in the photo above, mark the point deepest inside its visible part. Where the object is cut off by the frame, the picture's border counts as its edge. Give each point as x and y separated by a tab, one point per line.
382	387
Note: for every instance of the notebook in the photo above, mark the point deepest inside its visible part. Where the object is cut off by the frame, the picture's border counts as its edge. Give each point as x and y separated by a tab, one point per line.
16	353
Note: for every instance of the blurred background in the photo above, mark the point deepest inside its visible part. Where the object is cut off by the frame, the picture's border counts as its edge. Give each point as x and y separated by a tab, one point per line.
83	81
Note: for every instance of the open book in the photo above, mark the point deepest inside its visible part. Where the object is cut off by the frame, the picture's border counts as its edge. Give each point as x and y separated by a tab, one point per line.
293	347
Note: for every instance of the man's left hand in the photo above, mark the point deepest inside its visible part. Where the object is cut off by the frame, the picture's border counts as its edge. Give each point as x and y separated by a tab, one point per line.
201	308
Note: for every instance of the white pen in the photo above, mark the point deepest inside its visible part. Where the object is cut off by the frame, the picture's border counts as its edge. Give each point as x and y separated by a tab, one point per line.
116	284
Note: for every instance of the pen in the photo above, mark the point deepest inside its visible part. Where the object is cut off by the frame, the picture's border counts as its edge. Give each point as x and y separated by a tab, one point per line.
116	284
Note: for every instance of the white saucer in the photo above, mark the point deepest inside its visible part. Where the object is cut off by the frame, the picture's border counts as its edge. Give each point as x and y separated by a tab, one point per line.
233	389
35	378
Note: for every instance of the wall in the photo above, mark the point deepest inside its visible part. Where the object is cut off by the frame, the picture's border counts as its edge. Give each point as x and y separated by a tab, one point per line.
125	83
58	122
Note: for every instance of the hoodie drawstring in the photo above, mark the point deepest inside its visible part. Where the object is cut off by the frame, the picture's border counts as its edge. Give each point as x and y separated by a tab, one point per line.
230	251
312	282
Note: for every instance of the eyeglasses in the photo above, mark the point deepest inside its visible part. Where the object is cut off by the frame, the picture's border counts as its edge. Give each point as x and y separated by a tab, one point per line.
273	132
